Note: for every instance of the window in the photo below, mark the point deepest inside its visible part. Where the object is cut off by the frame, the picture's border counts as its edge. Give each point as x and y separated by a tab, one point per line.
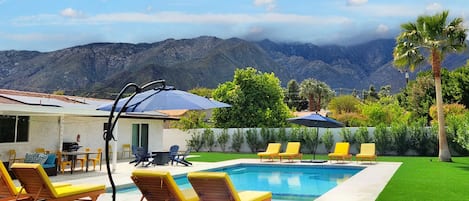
140	135
14	129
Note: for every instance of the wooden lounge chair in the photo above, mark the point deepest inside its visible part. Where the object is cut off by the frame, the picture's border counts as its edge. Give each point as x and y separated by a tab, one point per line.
292	151
35	181
214	186
7	186
272	151
160	185
367	152
341	152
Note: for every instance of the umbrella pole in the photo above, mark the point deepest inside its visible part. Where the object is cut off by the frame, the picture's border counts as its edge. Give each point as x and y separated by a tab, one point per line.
316	144
108	136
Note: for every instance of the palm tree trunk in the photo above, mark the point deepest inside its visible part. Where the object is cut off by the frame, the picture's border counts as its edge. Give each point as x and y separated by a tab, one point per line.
443	152
311	103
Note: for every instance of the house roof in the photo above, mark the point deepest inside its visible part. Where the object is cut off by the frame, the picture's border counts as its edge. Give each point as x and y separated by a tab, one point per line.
14	102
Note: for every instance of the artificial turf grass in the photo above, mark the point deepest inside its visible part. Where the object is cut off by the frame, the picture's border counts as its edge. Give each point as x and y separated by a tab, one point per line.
418	178
426	178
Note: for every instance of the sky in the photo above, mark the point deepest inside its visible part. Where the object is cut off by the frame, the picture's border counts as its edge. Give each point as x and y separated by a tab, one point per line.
48	25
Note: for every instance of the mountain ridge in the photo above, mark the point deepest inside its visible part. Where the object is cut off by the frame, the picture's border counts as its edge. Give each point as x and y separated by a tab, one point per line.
100	69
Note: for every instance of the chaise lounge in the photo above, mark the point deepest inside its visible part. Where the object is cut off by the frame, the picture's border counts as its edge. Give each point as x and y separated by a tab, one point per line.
272	151
160	185
341	152
367	152
37	184
211	186
292	151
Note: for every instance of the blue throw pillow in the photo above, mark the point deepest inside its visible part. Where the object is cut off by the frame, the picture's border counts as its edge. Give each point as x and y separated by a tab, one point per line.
50	159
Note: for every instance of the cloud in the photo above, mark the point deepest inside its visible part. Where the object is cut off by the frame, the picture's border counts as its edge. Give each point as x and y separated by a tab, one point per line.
180	17
71	13
268	4
356	2
433	8
382	29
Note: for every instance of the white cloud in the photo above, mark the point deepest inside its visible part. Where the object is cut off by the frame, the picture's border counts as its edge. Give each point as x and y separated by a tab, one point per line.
268	4
71	13
356	2
382	29
433	8
180	17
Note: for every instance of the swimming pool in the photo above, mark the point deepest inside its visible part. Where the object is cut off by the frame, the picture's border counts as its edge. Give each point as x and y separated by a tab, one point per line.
287	182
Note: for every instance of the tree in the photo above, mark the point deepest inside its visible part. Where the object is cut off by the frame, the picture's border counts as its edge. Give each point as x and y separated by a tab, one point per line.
318	93
202	91
256	100
292	97
343	104
435	35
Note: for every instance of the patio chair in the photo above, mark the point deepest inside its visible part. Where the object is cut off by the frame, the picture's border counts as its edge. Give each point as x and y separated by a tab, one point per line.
126	149
218	186
8	188
292	151
37	184
160	185
367	152
272	151
341	152
173	153
141	156
12	157
97	160
181	158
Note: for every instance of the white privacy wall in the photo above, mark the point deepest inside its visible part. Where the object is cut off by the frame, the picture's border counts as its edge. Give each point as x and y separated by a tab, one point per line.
179	137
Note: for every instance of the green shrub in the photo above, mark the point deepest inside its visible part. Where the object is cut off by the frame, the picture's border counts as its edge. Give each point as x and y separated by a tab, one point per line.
362	136
309	139
347	135
328	140
196	142
462	134
420	137
400	138
294	135
382	139
209	139
282	135
222	139
456	132
237	140
267	135
252	138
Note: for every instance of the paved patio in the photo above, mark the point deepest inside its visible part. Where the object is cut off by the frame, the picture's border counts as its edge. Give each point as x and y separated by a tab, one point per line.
365	185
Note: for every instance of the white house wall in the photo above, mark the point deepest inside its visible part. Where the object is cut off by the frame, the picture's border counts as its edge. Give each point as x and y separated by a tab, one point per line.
44	132
155	133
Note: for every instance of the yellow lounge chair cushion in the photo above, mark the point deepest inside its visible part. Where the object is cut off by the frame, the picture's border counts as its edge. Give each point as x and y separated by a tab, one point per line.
66	191
272	150
255	195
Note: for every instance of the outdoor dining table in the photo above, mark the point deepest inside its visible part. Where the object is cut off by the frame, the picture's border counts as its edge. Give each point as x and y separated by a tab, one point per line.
73	155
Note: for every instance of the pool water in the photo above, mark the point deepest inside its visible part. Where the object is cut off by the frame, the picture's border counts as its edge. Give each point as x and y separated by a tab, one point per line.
287	182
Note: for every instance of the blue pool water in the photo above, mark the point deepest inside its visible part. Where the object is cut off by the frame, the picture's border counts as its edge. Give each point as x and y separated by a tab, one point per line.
287	182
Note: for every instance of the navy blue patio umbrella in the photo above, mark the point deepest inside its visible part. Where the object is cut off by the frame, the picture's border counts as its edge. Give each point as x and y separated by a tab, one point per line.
150	97
318	121
166	98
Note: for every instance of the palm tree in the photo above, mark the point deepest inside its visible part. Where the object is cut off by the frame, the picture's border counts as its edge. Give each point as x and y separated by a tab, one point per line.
431	37
316	92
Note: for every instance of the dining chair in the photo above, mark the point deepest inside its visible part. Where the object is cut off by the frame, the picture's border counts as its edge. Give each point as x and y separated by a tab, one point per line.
12	157
126	149
63	162
97	159
40	150
83	160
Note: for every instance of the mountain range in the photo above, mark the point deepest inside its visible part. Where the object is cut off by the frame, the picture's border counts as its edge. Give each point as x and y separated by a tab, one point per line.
101	69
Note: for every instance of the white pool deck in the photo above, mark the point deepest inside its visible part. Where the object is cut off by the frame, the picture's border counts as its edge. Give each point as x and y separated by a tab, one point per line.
365	185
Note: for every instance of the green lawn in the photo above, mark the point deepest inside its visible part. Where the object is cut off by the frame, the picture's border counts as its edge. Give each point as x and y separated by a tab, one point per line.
418	178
